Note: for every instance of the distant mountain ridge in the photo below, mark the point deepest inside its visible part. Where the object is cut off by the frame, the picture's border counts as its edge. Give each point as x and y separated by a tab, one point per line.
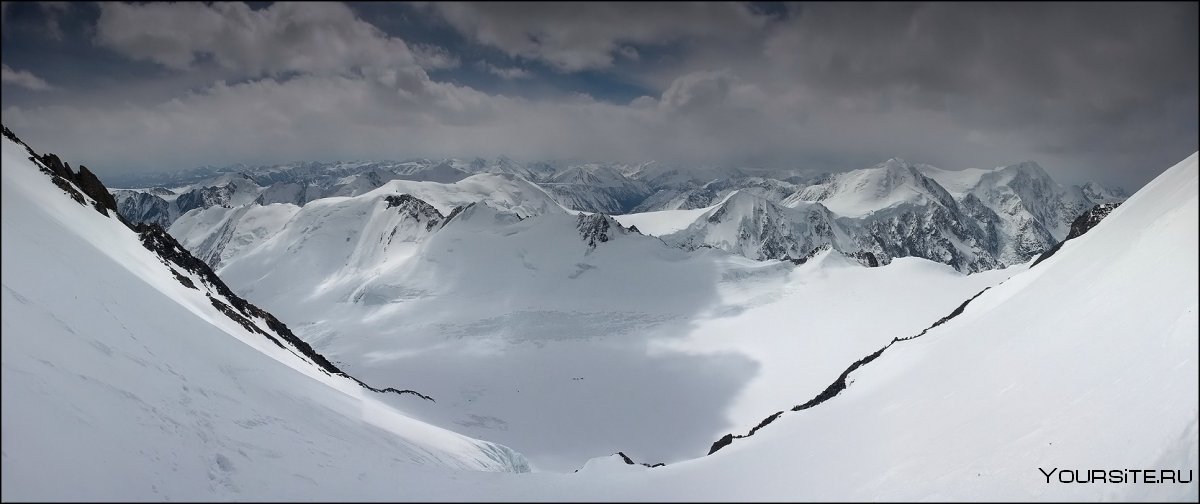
974	219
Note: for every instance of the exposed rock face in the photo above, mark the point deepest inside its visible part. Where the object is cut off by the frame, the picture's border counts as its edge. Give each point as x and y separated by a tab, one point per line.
416	209
840	383
1081	225
144	207
630	461
933	231
750	225
598	228
162	206
238	190
76	185
1088	220
92	187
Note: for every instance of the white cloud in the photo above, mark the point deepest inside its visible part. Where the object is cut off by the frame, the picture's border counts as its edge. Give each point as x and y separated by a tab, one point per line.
22	78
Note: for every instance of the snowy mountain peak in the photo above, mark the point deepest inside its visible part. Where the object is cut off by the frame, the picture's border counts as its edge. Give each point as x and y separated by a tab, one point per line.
1028	172
754	227
861	192
893	164
1103	194
147	356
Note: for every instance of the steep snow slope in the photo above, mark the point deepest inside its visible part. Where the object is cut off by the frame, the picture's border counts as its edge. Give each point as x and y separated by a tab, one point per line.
120	382
217	233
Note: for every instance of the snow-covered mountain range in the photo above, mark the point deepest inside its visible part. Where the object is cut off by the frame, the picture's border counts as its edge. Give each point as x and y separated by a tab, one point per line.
249	352
972	219
124	355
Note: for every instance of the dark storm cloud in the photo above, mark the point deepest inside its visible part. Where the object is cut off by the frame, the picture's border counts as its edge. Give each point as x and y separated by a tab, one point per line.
578	36
1089	80
1092	91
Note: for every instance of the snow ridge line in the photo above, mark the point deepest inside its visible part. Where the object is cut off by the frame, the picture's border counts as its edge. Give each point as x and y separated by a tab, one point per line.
840	384
84	186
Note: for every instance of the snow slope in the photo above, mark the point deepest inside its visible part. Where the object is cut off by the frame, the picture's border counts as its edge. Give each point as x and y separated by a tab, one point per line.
217	233
119	382
663	221
1086	361
499	316
957	182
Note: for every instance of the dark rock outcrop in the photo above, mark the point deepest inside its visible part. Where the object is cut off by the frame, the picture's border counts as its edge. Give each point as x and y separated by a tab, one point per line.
144	207
1082	224
76	185
416	209
91	186
840	383
599	228
155	239
631	462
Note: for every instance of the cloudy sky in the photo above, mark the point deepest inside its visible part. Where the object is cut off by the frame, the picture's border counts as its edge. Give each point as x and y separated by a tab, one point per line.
1103	91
